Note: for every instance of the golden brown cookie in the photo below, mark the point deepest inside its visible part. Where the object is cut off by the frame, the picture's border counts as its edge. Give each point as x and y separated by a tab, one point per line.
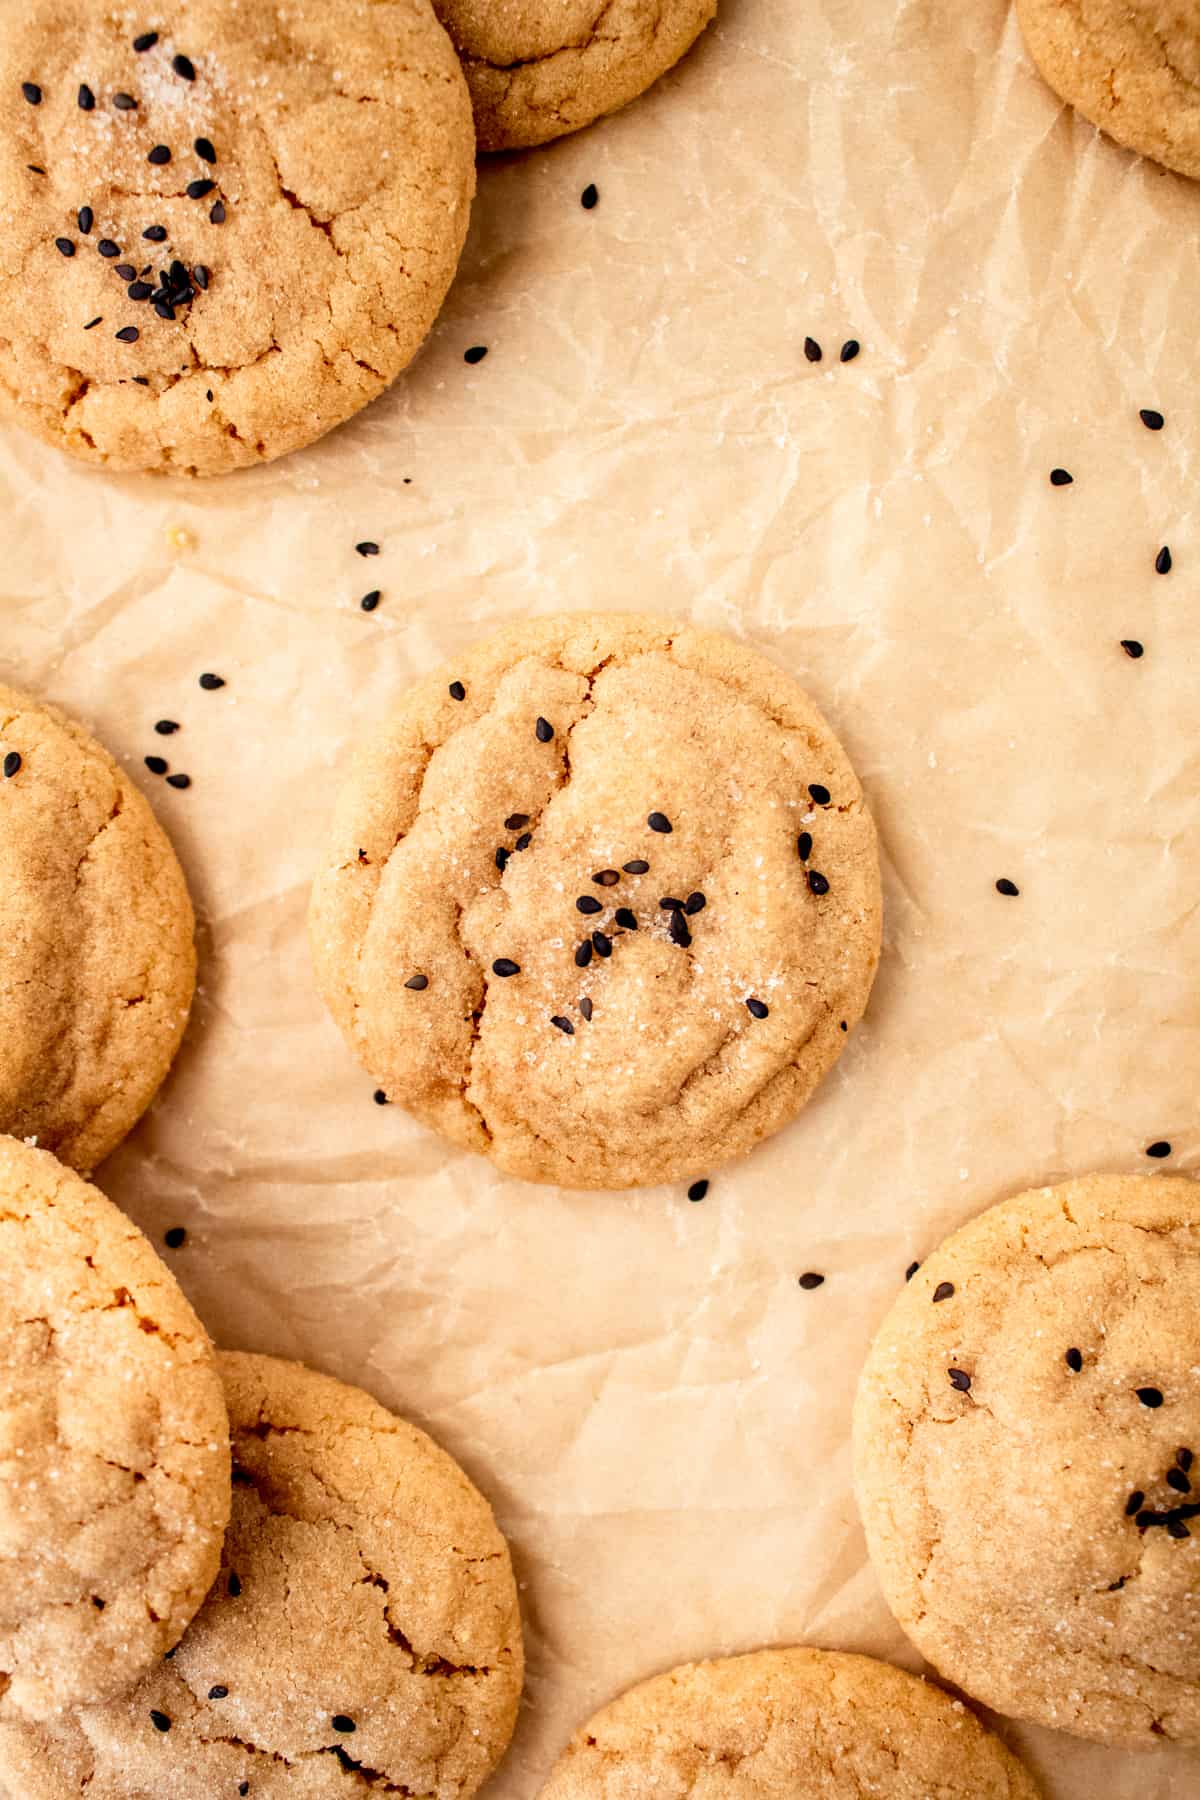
1026	1440
601	900
97	963
225	234
786	1725
1130	66
539	68
363	1631
114	1446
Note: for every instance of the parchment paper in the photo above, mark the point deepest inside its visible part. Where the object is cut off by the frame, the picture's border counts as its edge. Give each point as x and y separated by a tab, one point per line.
657	1410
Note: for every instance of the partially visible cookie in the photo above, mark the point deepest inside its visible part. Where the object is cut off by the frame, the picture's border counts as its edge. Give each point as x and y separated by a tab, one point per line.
601	900
363	1631
1130	66
114	1446
97	963
224	235
1027	1449
805	1724
539	68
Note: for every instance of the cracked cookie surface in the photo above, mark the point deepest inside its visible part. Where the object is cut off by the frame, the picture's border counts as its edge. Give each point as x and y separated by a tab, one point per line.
1130	66
363	1632
608	916
1025	1433
540	68
114	1447
97	962
809	1724
292	183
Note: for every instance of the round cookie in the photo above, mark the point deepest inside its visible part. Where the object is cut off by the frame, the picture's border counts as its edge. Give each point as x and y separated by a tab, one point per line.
228	233
1130	66
601	900
786	1725
1027	1451
114	1446
363	1631
97	962
540	68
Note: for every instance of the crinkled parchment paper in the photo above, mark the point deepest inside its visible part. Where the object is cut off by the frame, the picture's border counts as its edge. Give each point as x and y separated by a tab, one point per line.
657	1409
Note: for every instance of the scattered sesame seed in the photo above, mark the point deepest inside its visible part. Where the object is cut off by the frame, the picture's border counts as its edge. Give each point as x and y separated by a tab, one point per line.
12	764
601	944
85	219
159	1720
124	102
606	877
678	928
698	1189
146	41
585	1007
911	1270
217	215
589	196
943	1291
341	1722
65	246
204	150
126	271
370	601
588	903
811	1280
1177	1529
367	548
1184	1458
516	821
757	1009
667	904
1150	1396
694	903
210	683
1162	562
166	727
804	846
85	98
1159	1148
156	764
1153	421
234	1584
108	249
418	983
659	822
812	350
543	731
626	918
379	1097
1074	1360
1134	1503
959	1379
475	354
32	92
1178	1480
1132	648
504	965
139	290
182	65
457	691
501	858
819	794
563	1025
199	190
129	334
155	234
524	841
1005	886
179	781
583	954
243	1788
218	1692
160	155
817	883
92	323
175	1238
636	867
850	350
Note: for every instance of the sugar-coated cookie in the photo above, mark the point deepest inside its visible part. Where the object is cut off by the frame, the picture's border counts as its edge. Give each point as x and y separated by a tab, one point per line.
363	1632
601	900
114	1446
1027	1448
1130	66
97	963
539	68
226	233
786	1725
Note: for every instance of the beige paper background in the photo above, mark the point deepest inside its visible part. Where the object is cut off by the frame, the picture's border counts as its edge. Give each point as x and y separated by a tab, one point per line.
657	1410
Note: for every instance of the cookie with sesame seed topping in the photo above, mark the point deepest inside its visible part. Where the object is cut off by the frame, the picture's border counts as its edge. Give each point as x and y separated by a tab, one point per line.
304	175
805	1724
1025	1431
97	962
363	1631
114	1448
615	744
538	70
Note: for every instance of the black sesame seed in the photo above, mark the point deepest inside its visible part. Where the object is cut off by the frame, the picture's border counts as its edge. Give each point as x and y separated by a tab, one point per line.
659	822
35	169
210	683
812	350
583	954
585	1007
341	1722
234	1584
1162	562
418	983
204	150
108	249
175	1238
1158	1149
159	1720
1153	421
1132	648
183	66
1061	478
379	1097
159	156
155	234
694	903
820	794
179	781
1150	1396
504	965
626	918
636	867
804	846
1005	886
817	883
129	334
475	354
1177	1529
166	727
1184	1459
757	1009
667	904
606	877
146	41
943	1291
1134	1503
32	92
698	1189
564	1025
850	349
678	928
243	1788
124	102
589	196
139	290
1074	1360
911	1270
588	903
217	215
92	323
85	219
367	548
370	601
457	691
85	98
959	1379
1178	1480
155	764
218	1692
601	945
524	841
516	821
12	764
543	731
65	246
811	1280
501	858
141	381
199	190
126	271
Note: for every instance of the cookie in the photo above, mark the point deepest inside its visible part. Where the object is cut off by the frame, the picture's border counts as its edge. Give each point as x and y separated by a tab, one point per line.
363	1631
114	1446
1027	1448
97	963
601	901
226	234
1130	66
808	1724
540	68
